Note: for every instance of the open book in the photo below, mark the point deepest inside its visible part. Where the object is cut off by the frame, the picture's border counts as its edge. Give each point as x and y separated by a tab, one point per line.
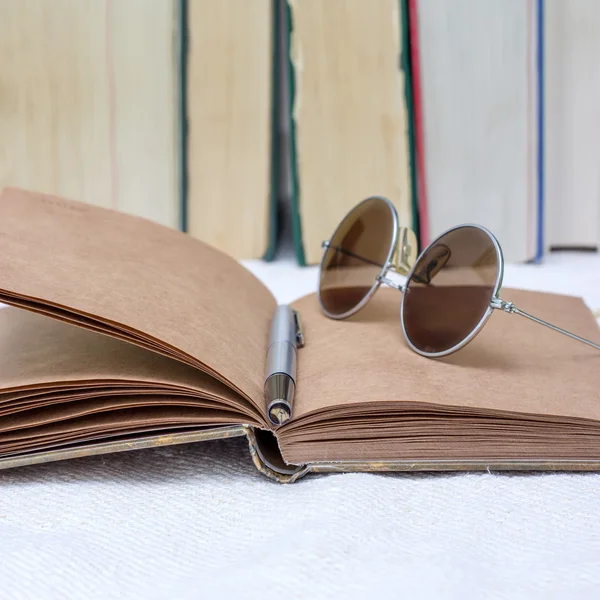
125	334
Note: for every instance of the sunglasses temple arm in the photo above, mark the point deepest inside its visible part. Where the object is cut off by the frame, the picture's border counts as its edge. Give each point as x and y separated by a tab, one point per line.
511	308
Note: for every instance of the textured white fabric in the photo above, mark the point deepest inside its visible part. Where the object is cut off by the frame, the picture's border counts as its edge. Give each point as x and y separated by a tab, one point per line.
198	521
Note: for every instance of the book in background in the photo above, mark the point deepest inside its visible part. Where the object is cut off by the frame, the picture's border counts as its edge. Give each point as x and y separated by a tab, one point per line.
90	102
477	63
572	127
350	123
230	63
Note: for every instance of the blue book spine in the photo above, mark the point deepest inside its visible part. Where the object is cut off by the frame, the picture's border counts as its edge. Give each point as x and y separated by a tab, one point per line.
540	130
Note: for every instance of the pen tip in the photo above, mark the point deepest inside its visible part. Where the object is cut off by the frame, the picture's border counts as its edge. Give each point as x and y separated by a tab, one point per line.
279	415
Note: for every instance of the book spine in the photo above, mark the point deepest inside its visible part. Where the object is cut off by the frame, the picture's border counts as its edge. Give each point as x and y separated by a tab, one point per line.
416	125
277	80
182	60
540	130
288	25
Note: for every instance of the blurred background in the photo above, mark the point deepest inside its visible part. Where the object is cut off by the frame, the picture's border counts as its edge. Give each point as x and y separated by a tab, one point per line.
252	124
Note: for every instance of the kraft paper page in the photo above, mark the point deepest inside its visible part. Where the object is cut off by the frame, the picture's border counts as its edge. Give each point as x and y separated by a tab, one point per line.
60	383
512	365
136	280
517	390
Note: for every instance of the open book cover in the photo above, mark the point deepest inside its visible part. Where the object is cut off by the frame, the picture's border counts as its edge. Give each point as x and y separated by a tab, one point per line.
121	334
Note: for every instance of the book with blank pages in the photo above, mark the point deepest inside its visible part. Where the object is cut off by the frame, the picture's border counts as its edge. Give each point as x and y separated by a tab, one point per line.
230	104
572	126
91	103
478	65
350	113
123	334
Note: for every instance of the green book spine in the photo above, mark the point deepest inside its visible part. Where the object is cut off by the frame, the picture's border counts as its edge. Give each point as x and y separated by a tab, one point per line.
182	47
296	220
406	66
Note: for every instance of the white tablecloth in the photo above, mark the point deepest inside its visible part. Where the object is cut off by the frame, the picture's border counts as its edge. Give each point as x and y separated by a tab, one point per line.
198	521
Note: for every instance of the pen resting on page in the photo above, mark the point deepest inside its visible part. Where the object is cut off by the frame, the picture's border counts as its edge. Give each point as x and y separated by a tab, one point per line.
285	337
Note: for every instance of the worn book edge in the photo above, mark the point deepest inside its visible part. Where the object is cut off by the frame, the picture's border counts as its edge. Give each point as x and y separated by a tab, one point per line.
267	458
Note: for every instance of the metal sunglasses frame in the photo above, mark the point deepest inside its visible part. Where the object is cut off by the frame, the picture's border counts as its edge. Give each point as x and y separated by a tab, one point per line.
387	266
397	249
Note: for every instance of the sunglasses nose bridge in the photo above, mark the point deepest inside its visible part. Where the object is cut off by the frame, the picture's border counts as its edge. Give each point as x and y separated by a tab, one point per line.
384	280
405	252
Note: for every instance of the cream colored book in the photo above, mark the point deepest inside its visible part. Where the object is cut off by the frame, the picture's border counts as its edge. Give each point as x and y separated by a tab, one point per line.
123	334
349	113
478	61
229	125
572	125
90	105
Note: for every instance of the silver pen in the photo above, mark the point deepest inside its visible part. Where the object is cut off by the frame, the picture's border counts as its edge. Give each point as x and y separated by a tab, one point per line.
285	337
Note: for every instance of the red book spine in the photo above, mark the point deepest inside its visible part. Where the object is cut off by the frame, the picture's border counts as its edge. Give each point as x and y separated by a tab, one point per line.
415	66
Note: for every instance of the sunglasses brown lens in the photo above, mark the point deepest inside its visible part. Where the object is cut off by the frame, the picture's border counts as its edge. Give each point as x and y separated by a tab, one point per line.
356	255
450	289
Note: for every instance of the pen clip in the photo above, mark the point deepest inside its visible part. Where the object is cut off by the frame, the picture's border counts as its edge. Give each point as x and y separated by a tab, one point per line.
299	329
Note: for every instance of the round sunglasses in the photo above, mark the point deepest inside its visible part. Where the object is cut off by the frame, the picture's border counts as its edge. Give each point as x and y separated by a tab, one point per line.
451	288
